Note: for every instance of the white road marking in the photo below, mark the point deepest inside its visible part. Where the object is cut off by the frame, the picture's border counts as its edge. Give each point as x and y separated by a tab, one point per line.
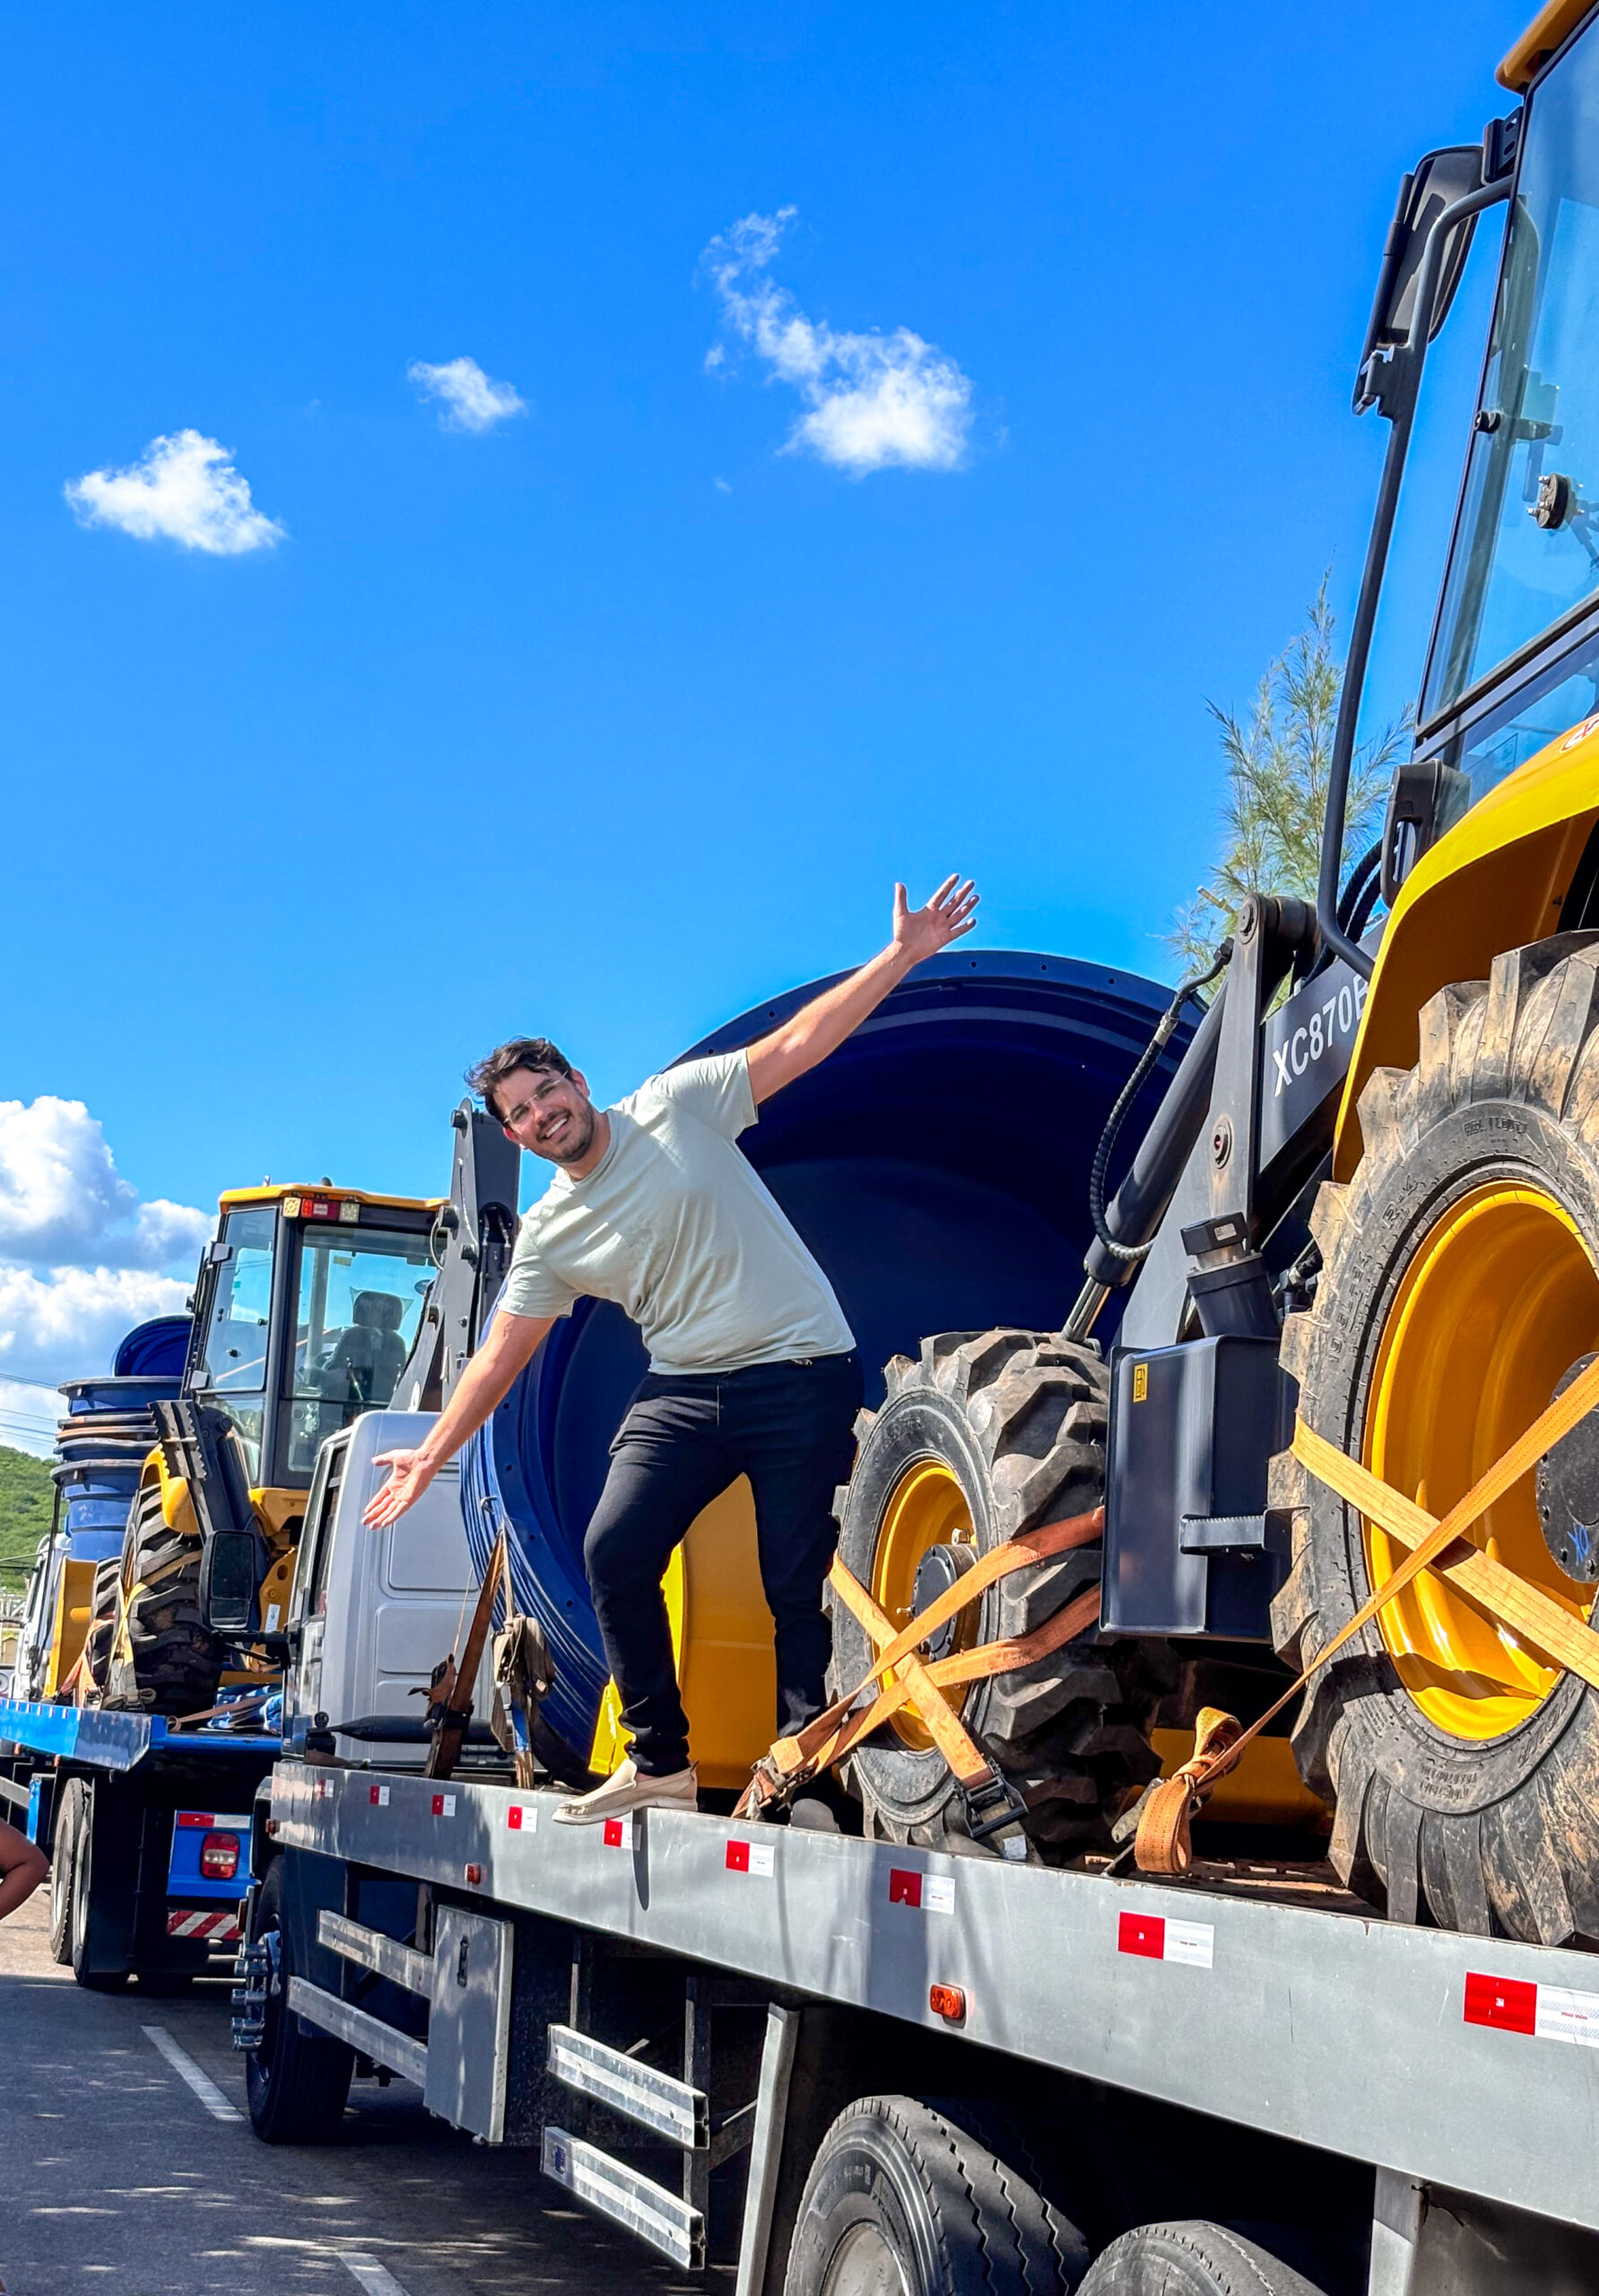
184	2065
376	2278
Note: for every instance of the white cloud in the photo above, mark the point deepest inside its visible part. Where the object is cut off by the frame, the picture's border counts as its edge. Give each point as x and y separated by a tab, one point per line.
82	1259
183	487
65	1323
472	400
874	400
61	1198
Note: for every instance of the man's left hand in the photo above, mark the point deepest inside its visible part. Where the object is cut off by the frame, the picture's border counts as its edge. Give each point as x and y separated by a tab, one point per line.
921	933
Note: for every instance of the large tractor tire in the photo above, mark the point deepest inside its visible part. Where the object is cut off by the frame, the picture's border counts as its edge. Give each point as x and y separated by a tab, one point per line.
176	1662
989	1434
102	1620
1459	1289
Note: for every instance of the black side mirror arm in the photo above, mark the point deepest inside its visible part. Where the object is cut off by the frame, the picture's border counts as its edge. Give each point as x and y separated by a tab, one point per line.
1397	400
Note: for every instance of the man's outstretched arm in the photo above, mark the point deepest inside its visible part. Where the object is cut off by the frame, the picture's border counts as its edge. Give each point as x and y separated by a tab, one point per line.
510	1345
821	1026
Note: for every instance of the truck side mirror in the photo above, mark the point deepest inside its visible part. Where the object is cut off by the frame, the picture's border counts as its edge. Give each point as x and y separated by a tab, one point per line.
228	1581
1434	184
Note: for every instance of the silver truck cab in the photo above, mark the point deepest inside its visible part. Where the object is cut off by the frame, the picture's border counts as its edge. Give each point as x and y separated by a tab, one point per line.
372	1613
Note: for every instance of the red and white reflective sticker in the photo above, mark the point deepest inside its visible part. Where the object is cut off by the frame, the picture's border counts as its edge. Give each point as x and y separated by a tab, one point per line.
444	1806
222	1926
1548	2013
929	1892
321	1789
619	1832
377	1796
752	1857
1154	1937
523	1817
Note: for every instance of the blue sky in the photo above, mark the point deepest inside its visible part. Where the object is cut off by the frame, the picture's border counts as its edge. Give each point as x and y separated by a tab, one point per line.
614	715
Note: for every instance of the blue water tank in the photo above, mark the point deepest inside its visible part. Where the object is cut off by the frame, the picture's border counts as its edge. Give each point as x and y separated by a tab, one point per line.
937	1166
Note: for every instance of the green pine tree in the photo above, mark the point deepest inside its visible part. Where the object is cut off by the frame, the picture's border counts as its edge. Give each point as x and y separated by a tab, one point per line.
1278	761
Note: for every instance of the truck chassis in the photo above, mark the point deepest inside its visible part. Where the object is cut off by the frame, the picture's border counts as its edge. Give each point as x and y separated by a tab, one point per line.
1242	1999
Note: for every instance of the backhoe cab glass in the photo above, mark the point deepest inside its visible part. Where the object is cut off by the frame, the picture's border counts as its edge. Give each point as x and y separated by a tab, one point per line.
1526	542
231	1366
360	1297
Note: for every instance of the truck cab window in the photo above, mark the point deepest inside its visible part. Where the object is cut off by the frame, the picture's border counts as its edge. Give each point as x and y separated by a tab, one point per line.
359	1301
1527	547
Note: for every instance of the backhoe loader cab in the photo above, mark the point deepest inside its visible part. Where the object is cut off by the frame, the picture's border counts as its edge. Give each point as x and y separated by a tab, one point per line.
307	1305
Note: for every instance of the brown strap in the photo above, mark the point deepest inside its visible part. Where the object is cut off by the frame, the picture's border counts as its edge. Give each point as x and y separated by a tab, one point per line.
1016	1554
831	1736
1167	1811
1514	1602
969	1666
949	1735
451	1734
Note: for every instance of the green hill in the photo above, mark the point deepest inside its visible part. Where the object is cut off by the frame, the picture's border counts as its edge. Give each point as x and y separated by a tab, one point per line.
26	1500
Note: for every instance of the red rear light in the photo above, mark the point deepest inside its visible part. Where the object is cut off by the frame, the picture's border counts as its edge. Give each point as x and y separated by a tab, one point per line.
219	1857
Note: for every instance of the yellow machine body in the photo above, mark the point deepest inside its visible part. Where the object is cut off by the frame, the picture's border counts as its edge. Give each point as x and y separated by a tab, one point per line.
1496	881
722	1641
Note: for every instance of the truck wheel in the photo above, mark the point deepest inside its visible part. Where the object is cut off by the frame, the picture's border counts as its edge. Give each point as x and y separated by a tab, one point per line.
935	2199
1459	1291
296	2082
102	1620
89	1926
63	1856
989	1434
176	1663
1196	2259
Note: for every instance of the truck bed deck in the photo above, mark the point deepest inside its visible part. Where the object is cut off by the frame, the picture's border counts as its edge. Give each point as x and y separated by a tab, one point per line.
103	1739
1272	2000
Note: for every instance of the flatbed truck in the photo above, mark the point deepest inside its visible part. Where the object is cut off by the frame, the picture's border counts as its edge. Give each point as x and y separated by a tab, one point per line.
752	2042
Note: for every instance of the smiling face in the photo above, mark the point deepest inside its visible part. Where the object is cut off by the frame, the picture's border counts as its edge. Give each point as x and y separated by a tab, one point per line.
550	1114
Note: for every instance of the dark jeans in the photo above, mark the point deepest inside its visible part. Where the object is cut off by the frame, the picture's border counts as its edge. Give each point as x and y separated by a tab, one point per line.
788	1427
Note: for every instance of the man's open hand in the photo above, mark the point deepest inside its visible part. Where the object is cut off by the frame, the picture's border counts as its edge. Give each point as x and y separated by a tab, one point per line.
410	1473
921	933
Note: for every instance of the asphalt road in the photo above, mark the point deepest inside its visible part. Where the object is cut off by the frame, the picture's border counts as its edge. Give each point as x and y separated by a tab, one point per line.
115	2177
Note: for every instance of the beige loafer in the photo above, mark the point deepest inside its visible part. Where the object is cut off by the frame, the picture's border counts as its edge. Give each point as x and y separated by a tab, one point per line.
625	1790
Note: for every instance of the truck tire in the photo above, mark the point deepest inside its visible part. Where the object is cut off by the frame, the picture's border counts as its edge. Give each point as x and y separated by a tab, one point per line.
1457	1292
97	1931
176	1662
1192	2260
295	2082
63	1852
989	1434
102	1620
928	2199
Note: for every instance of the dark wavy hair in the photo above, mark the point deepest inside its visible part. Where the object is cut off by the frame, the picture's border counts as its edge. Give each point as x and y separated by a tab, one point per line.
517	1052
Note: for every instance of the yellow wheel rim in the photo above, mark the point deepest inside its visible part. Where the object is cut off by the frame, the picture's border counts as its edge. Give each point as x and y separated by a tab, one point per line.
1499	1301
926	1509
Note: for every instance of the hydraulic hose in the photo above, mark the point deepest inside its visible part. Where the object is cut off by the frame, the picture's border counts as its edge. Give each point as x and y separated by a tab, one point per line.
1135	1253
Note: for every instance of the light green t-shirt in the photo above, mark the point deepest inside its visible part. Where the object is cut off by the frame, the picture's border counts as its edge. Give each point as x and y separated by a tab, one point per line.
677	1227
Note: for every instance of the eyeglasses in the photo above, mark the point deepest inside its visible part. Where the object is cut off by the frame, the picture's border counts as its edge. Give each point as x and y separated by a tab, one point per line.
541	1097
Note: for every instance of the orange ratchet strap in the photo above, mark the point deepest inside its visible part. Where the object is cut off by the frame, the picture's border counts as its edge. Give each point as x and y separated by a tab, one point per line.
1163	1843
906	1679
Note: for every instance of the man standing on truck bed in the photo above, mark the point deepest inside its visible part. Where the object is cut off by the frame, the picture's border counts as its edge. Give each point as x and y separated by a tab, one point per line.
753	1368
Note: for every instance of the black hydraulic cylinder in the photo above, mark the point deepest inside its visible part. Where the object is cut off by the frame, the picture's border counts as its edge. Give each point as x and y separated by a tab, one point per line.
1140	1203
